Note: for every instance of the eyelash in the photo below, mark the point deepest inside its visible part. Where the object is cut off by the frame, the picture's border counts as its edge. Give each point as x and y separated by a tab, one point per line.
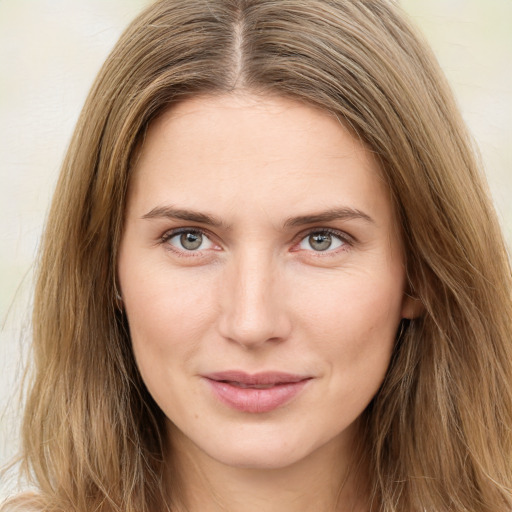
346	239
179	231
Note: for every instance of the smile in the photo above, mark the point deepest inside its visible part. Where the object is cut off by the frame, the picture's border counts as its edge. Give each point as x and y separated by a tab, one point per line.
257	393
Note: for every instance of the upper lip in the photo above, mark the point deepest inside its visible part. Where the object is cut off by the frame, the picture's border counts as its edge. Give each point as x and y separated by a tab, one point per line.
256	379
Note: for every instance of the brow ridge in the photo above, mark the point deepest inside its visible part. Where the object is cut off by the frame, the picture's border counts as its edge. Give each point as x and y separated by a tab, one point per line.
169	212
343	213
332	214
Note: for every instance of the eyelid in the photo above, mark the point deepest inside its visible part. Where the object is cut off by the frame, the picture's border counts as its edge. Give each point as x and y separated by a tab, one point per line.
178	231
348	240
171	233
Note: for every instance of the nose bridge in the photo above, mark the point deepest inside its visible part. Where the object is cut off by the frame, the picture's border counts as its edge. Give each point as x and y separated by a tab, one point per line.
254	305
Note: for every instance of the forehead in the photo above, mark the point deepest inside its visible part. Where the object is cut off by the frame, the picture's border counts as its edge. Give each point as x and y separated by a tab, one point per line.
267	150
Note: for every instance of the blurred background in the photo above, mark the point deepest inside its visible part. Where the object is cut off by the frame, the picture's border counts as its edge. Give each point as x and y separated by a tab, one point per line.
50	52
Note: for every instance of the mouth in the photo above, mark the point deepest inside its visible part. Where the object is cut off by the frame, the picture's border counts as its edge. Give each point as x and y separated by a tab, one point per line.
256	393
249	386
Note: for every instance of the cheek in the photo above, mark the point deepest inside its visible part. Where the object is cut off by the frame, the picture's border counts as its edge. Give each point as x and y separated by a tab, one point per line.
167	314
354	322
356	302
359	333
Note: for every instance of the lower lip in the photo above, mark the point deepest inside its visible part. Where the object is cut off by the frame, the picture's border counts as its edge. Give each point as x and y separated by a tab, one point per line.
256	400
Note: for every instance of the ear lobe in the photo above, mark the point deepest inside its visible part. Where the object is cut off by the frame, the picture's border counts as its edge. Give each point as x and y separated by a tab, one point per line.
412	307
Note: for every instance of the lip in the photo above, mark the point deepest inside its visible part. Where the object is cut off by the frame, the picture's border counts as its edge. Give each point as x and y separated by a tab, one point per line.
255	393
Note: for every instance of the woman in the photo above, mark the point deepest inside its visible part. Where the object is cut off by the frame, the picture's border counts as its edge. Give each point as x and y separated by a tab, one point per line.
271	277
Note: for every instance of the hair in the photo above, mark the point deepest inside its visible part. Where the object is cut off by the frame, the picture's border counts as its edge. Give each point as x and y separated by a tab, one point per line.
437	434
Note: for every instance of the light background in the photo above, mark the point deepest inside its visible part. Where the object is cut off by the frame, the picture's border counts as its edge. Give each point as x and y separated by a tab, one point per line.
50	51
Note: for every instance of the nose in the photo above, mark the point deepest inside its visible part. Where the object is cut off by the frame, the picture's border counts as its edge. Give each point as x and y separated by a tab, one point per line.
253	304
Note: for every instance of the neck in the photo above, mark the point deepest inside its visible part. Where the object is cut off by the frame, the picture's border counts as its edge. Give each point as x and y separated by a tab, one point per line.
325	481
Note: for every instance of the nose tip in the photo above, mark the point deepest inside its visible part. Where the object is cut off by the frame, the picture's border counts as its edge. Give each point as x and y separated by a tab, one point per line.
254	307
249	336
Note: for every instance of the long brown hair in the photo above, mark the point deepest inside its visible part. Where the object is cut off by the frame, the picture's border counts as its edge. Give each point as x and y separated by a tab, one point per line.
437	435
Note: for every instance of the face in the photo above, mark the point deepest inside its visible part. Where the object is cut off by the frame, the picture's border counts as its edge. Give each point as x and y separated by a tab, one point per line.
261	275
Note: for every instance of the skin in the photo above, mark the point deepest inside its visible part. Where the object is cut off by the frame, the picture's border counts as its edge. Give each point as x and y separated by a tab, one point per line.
257	295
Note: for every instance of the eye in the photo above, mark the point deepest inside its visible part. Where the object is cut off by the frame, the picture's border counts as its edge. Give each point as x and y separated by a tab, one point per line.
321	241
190	240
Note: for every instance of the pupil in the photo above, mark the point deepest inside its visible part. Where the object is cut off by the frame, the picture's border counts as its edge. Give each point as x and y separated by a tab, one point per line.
191	241
320	241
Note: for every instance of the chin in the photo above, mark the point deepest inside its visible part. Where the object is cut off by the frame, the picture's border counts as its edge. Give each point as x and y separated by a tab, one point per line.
247	446
267	448
259	457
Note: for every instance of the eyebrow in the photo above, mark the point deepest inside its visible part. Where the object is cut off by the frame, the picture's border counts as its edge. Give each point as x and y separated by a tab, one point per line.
169	212
343	213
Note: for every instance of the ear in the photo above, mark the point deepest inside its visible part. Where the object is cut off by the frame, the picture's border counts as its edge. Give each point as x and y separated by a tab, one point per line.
412	307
